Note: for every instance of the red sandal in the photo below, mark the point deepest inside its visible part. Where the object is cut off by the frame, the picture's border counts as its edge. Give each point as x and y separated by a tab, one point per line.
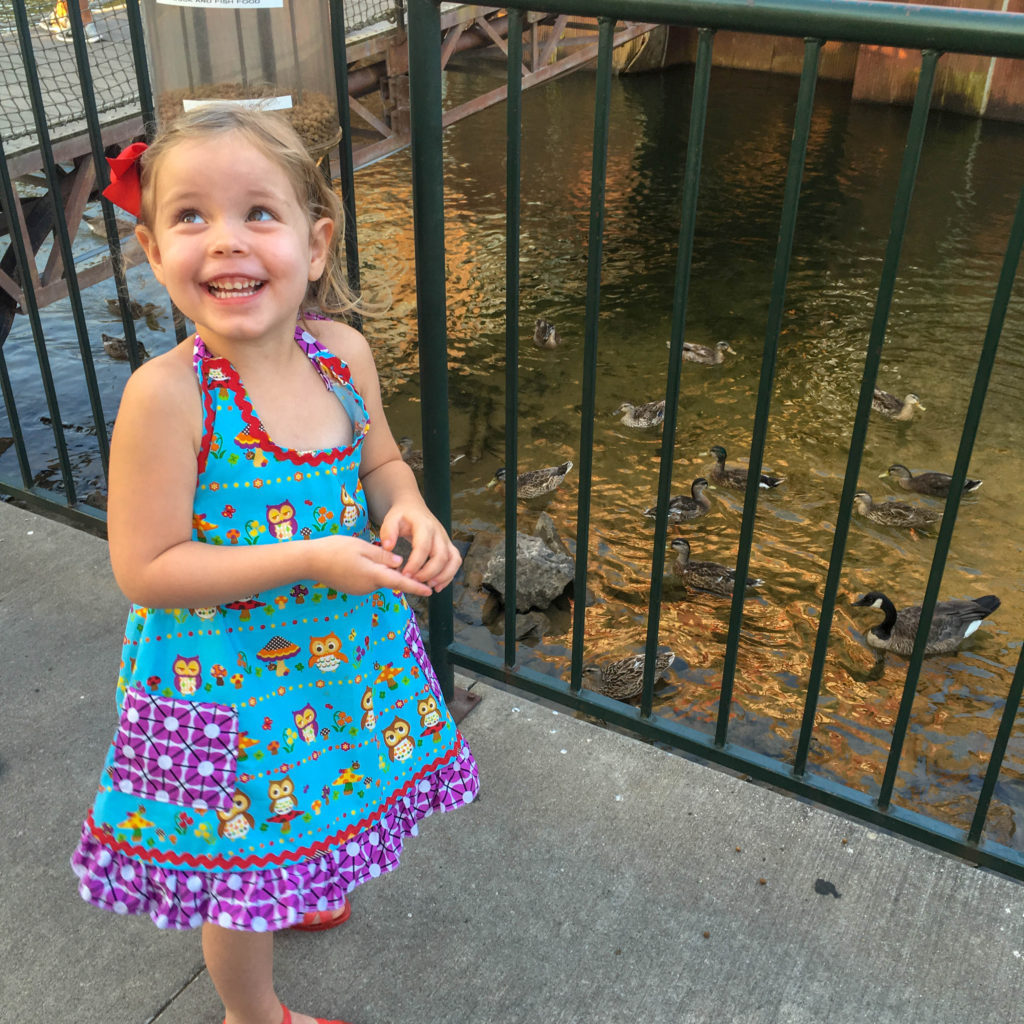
287	1018
323	920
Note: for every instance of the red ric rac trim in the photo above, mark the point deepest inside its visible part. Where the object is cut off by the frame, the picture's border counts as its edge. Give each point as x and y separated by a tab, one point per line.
209	419
233	382
276	859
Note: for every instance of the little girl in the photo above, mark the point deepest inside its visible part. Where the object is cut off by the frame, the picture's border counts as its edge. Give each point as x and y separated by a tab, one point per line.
280	730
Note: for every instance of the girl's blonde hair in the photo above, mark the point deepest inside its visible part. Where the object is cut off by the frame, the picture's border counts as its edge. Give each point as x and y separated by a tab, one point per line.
273	136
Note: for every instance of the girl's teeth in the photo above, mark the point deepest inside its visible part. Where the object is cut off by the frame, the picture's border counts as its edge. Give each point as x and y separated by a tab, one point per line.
240	288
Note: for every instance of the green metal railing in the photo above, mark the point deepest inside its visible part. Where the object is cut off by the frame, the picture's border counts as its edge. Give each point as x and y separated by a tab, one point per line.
48	209
930	30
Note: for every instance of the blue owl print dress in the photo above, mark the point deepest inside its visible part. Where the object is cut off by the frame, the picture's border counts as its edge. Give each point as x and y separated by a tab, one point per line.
273	752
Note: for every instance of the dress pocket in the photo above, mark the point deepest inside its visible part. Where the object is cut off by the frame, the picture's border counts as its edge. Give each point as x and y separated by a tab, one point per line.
176	751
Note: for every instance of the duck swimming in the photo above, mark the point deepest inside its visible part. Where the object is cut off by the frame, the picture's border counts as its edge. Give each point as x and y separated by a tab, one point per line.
535	482
936	484
707	355
652	414
896	408
413	458
682	507
709	576
895	513
545	335
952	622
734	476
624	679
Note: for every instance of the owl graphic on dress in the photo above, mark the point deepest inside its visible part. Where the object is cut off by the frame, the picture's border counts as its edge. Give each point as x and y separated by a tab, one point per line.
305	722
429	715
281	520
235	823
396	736
282	798
325	652
351	508
369	719
187	674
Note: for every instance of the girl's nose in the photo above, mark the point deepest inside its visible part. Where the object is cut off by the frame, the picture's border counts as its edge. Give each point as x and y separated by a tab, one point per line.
227	239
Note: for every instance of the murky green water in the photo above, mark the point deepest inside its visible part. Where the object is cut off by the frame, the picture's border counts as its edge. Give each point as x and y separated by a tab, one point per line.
962	210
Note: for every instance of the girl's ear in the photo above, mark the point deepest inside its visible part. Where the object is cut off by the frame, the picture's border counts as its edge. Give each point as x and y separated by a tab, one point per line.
147	240
320	236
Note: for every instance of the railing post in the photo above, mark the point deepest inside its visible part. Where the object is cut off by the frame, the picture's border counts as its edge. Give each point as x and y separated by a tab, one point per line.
428	229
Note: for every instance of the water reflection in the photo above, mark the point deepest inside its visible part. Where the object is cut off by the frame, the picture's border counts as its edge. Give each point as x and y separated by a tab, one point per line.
962	209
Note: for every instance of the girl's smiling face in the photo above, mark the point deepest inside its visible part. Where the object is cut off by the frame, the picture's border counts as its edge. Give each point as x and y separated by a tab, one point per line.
230	241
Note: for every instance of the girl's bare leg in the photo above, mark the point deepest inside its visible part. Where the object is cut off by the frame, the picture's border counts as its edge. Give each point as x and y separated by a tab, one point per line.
241	966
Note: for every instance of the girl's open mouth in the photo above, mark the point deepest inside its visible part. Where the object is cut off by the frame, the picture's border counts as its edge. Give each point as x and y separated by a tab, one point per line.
239	288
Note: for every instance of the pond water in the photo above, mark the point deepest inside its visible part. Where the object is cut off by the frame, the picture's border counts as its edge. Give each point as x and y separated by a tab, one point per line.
962	210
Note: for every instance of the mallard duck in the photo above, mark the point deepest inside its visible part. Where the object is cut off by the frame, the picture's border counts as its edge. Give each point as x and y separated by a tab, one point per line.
895	408
150	312
682	507
895	513
952	622
545	335
624	679
536	482
927	483
709	576
705	354
734	476
652	414
414	458
117	348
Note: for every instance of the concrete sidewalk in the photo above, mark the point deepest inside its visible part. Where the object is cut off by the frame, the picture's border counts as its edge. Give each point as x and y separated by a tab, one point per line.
596	879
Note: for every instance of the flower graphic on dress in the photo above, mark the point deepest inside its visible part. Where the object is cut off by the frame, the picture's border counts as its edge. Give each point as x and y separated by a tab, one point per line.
290	736
182	823
202	830
321	517
253	529
228	511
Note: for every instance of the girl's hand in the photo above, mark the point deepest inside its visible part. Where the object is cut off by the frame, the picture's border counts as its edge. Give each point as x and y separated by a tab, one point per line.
355	566
434	559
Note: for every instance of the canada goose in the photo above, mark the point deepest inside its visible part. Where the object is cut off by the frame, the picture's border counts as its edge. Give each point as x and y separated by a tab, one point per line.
952	622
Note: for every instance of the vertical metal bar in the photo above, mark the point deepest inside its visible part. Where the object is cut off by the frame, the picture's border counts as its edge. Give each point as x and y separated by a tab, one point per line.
970	430
599	166
428	231
64	237
776	305
995	762
138	39
897	229
24	257
513	166
346	174
10	404
684	259
101	170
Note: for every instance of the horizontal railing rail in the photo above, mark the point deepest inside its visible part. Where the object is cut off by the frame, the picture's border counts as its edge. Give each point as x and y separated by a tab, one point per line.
929	30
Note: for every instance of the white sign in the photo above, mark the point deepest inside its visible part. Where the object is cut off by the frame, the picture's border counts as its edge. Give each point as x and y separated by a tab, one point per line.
259	103
236	4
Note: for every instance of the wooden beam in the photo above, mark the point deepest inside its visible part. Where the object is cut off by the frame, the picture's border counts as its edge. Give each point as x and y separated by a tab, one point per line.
371	119
498	41
556	33
449	44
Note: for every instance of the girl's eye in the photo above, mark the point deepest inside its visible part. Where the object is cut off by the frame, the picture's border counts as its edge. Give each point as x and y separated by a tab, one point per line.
189	217
260	213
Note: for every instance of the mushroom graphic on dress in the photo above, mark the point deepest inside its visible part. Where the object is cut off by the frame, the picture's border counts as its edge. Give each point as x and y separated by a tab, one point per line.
275	652
244	606
251	446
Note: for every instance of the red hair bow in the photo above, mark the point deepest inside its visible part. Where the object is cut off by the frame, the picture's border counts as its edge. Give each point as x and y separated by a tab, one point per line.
125	188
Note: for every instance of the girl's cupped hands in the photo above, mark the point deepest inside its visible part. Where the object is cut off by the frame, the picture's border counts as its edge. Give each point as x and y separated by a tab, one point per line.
434	560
